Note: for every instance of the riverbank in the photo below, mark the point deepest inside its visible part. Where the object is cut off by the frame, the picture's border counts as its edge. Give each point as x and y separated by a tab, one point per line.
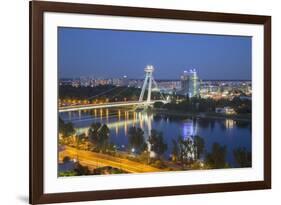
210	115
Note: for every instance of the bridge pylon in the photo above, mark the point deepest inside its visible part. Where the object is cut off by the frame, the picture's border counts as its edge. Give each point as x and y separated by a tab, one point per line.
147	82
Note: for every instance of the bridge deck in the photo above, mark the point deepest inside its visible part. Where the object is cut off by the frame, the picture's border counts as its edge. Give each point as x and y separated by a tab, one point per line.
106	105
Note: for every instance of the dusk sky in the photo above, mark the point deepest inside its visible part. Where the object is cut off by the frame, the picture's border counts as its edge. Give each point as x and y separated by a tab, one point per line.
113	54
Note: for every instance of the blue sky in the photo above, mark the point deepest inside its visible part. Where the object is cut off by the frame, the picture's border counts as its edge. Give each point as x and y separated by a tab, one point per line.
111	53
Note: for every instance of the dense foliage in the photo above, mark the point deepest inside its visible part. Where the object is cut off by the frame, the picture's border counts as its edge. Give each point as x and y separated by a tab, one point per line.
157	143
136	139
216	158
66	129
99	137
242	157
101	92
208	105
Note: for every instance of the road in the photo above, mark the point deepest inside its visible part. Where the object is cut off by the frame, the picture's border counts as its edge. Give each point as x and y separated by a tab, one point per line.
94	160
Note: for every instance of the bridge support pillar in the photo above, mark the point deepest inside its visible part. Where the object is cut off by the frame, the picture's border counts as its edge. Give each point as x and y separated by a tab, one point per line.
148	80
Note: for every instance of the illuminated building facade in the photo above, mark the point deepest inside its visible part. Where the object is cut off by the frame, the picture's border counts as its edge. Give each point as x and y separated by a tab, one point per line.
190	84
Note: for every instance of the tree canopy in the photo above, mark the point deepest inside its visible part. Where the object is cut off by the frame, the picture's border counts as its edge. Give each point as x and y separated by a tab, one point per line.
136	139
157	143
216	158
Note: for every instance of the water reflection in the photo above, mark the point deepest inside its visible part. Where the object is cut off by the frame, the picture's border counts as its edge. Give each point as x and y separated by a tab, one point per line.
229	123
123	119
189	128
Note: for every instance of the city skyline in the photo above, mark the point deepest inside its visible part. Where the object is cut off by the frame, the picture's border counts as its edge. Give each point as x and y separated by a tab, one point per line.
141	79
86	49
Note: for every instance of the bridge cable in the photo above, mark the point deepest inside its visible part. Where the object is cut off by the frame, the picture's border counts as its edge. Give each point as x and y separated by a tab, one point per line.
161	95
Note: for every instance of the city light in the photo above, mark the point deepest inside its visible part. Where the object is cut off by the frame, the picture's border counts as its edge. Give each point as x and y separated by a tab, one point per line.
184	97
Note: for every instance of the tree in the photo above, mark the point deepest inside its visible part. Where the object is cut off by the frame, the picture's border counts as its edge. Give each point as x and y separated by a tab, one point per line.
103	137
186	150
78	139
242	157
136	139
157	143
216	158
66	159
158	104
99	136
61	125
175	150
199	144
81	170
93	134
66	129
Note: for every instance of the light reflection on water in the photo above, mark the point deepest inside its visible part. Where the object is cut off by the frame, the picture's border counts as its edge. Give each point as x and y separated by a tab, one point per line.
226	132
189	128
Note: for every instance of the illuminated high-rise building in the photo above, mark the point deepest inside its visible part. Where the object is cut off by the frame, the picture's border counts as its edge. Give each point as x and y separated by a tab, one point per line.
190	84
184	81
125	80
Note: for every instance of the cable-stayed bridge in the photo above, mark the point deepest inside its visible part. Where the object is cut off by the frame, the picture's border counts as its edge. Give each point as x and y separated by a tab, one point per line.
147	85
108	105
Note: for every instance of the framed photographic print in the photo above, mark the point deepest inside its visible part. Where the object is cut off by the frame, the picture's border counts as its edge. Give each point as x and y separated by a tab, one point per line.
138	102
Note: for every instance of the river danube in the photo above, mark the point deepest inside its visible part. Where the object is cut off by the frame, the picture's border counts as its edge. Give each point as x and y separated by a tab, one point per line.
228	132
